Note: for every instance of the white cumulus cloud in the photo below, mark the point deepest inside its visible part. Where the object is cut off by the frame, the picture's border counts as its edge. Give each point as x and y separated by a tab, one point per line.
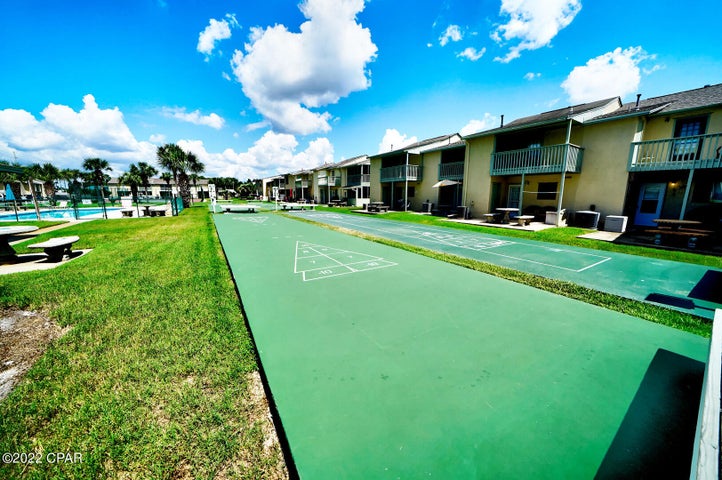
533	24
65	137
531	76
216	31
285	74
393	140
475	125
472	54
212	120
271	154
451	34
612	74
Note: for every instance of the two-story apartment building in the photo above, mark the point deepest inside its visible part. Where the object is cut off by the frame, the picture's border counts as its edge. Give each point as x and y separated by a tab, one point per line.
345	180
651	158
397	177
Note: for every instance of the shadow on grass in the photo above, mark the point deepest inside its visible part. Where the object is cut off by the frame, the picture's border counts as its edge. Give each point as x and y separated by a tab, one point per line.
656	437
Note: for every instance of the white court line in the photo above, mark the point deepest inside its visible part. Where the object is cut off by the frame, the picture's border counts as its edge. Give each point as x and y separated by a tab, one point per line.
348	266
419	234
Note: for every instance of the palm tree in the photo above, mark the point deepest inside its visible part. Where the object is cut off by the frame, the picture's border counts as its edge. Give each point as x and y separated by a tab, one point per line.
166	177
132	179
31	173
49	174
146	171
179	162
96	168
196	168
72	178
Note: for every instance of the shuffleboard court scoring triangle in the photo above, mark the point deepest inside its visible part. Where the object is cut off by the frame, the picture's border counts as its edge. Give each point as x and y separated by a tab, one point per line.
251	219
316	262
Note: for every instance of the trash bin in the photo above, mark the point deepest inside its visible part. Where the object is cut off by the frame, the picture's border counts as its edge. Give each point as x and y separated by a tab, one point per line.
586	219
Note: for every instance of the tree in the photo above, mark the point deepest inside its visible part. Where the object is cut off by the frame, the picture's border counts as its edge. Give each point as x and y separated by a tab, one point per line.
166	177
73	182
96	168
146	171
133	180
49	173
179	162
31	173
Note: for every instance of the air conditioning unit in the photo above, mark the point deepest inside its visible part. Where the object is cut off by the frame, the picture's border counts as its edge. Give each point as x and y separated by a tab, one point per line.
586	218
615	223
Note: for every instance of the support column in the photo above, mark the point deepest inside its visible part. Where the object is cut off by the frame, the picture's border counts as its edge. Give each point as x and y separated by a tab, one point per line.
521	195
687	188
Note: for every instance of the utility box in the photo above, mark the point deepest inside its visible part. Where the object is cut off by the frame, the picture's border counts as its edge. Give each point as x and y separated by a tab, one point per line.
615	223
586	219
554	218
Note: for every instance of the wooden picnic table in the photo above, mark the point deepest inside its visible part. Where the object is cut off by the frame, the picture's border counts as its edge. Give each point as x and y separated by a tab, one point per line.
670	227
675	224
6	232
377	207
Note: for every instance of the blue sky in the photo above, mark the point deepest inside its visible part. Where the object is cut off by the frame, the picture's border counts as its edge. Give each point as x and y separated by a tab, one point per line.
258	88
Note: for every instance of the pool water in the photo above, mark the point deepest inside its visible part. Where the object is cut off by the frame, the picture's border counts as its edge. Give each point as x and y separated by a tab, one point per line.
57	214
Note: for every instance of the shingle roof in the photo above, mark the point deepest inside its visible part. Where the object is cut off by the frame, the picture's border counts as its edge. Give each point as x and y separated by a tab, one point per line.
574	112
419	144
707	96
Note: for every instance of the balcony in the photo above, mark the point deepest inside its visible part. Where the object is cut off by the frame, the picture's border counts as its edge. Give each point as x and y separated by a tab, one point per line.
400	173
322	181
301	183
451	171
356	180
551	159
683	153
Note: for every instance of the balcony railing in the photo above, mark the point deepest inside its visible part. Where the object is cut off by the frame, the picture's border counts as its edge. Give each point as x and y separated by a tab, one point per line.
451	171
683	153
355	180
322	181
301	183
551	159
400	173
334	180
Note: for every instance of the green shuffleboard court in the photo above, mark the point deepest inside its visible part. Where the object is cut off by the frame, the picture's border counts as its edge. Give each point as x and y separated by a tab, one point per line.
386	364
682	286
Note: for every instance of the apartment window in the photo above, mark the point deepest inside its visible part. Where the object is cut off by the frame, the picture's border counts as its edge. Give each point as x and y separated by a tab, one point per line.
547	191
687	130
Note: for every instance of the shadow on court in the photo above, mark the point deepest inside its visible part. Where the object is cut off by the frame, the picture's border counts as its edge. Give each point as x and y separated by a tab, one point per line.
709	288
656	437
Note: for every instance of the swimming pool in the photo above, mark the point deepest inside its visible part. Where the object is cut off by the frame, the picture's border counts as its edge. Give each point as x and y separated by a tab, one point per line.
57	214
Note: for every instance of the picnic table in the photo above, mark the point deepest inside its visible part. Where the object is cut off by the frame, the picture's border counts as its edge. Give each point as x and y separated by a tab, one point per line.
378	207
675	224
336	203
507	211
671	228
6	250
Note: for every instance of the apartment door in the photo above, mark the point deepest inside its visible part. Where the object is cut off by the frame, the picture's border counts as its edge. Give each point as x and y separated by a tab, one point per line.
514	196
649	206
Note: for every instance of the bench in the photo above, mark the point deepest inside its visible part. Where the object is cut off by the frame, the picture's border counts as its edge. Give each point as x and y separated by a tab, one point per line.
127	213
523	220
240	209
157	212
491	217
56	248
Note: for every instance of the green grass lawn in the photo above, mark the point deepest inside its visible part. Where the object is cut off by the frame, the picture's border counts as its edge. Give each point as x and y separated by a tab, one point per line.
154	380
